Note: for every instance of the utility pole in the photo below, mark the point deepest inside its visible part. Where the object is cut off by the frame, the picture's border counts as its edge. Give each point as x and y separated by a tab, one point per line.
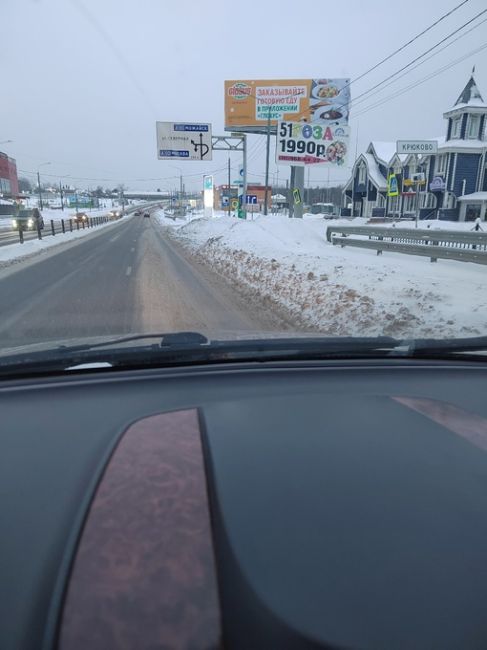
229	192
268	145
40	191
180	193
61	193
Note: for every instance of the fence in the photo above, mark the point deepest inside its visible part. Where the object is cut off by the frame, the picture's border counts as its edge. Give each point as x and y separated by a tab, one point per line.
66	225
435	244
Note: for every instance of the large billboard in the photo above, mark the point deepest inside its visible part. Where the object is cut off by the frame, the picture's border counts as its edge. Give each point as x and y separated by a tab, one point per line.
249	103
306	144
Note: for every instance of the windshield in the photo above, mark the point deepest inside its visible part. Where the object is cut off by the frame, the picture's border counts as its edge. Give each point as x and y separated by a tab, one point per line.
258	172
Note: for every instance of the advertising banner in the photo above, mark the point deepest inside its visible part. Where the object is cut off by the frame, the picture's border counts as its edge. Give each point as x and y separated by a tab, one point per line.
249	103
306	144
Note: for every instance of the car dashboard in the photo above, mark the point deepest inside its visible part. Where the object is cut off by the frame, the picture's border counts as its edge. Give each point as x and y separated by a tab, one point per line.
252	506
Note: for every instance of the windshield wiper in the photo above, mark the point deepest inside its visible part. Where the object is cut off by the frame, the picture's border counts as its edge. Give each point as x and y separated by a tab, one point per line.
189	348
444	347
166	340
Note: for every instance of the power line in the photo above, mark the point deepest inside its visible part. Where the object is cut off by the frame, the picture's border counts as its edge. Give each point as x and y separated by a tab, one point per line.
423	80
415	38
424	61
408	65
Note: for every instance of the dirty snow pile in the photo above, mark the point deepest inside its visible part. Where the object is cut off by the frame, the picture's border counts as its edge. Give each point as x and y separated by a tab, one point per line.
289	264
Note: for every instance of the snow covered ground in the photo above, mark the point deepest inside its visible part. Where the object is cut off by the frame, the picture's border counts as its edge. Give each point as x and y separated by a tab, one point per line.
289	263
15	253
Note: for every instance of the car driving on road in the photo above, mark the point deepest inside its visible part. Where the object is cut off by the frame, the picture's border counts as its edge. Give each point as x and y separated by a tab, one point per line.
80	217
28	219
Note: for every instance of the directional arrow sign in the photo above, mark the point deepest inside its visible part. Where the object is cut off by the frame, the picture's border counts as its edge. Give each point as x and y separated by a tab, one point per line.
183	141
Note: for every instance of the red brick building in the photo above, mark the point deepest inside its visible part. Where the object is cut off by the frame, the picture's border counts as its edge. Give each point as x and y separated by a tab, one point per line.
9	182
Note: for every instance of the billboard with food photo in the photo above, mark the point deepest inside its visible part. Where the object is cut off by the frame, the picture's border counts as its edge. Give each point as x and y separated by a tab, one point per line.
250	103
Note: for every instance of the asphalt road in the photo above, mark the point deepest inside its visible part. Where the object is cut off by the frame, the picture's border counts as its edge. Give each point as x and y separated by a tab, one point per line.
125	279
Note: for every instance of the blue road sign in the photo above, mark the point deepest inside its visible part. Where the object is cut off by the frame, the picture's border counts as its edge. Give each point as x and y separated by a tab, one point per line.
251	199
174	153
192	127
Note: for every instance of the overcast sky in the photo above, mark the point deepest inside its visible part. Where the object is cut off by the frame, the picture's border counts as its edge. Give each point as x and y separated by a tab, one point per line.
84	81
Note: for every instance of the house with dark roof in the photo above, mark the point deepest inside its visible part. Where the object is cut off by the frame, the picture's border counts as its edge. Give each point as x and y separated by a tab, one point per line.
455	184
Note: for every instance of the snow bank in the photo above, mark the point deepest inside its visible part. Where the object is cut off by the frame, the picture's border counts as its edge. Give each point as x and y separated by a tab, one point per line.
15	253
289	263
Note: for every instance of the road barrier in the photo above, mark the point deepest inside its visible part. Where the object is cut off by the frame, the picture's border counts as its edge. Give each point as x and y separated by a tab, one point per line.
60	226
91	222
435	244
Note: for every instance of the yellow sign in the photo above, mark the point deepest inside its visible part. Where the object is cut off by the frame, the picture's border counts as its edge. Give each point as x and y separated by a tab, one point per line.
297	196
392	186
234	204
408	182
249	103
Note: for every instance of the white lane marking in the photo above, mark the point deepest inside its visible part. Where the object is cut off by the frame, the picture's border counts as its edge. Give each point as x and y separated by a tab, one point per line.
132	250
128	271
114	238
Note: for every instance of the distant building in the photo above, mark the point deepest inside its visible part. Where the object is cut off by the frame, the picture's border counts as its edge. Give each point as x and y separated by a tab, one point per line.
9	182
456	177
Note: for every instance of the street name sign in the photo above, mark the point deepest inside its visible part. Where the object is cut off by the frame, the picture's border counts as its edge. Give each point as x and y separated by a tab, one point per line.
426	147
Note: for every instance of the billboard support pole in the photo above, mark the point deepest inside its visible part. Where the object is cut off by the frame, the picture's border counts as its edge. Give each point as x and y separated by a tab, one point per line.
244	146
291	196
268	146
229	191
299	185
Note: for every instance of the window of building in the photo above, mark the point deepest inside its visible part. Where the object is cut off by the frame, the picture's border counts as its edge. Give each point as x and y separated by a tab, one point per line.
428	200
450	201
473	127
5	187
408	205
456	127
361	174
440	166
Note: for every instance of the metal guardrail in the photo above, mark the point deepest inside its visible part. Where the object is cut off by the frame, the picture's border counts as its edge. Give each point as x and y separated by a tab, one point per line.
436	244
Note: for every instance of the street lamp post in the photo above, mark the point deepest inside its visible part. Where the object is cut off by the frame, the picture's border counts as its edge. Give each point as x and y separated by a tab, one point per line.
39	183
180	184
61	191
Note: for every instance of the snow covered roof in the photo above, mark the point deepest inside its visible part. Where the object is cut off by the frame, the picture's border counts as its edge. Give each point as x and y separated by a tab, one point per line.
476	196
470	97
462	144
278	197
384	150
374	172
470	94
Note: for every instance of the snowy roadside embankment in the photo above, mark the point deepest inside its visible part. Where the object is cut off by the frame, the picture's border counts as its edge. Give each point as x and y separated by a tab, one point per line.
289	263
18	252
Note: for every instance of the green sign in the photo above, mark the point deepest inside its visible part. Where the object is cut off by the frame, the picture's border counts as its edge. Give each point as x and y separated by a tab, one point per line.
208	183
297	196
